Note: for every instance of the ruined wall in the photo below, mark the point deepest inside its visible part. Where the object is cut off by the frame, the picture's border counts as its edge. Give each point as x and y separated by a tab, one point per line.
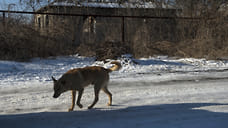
92	29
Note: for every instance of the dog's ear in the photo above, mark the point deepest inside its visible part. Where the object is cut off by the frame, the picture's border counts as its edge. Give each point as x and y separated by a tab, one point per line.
54	79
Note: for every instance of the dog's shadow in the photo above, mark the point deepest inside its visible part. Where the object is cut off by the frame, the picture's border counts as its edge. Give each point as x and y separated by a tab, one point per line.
164	115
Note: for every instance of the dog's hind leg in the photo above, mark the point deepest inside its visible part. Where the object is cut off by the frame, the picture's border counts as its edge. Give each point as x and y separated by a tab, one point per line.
80	92
73	100
96	91
105	89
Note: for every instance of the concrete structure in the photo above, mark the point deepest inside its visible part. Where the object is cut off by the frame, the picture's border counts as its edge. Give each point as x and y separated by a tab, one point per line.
96	22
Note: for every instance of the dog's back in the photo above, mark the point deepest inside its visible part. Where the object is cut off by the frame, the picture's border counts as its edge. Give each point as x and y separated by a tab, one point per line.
94	75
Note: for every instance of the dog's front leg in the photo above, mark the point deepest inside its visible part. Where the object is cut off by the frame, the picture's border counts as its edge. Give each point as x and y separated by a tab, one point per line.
96	90
73	100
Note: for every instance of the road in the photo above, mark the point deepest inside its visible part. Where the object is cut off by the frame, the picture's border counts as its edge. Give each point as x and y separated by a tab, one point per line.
183	104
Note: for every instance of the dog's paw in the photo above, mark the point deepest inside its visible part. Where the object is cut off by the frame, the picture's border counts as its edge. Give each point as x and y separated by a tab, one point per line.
80	105
109	104
90	107
70	110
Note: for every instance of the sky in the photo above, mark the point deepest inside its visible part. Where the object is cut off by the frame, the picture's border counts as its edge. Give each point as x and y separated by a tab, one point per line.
15	5
4	4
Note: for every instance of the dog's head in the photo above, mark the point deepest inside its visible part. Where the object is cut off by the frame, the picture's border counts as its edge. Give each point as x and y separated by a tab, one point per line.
59	87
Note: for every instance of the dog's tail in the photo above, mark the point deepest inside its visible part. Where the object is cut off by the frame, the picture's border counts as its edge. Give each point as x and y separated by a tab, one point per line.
117	66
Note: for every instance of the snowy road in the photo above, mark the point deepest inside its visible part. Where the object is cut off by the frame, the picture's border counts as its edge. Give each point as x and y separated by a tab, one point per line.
140	104
160	93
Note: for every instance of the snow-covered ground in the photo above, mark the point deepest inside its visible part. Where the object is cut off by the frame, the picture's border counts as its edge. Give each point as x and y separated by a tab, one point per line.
149	92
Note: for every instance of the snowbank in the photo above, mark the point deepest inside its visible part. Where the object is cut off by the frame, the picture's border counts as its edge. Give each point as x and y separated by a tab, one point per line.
155	69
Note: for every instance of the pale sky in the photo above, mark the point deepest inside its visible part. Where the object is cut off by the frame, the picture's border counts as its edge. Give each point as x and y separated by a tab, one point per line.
4	4
15	5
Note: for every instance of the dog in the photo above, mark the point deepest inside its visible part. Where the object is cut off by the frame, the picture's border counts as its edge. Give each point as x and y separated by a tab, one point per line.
77	79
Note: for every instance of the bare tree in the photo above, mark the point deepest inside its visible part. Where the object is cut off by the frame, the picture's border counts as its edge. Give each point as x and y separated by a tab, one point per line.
34	4
199	7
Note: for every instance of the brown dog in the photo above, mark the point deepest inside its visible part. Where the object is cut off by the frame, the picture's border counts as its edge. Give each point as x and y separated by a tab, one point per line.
77	79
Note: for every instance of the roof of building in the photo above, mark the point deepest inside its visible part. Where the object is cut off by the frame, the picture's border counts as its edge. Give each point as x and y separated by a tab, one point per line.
109	4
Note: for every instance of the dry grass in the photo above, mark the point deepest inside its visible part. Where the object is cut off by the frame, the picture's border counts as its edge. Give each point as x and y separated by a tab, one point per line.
21	42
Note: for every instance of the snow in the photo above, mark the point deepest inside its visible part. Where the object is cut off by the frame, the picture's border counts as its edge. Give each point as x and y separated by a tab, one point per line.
155	92
110	4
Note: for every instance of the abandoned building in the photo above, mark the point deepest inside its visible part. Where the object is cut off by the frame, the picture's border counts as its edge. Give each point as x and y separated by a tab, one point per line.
93	22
